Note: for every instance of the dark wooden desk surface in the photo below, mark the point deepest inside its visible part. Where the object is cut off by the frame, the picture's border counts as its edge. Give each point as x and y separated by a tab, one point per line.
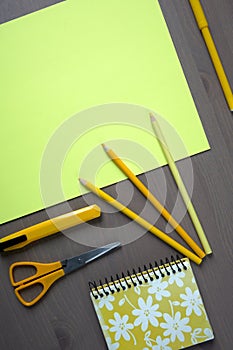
65	319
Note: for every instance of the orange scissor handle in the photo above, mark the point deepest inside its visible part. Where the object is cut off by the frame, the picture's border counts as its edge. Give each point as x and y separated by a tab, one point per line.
46	275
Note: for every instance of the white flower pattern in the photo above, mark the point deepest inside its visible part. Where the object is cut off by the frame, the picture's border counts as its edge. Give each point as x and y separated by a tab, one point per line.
146	314
177	278
158	287
106	301
175	326
120	326
163	314
162	344
112	346
192	302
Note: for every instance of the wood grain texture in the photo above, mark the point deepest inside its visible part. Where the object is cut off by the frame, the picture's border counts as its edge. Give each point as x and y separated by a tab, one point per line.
65	318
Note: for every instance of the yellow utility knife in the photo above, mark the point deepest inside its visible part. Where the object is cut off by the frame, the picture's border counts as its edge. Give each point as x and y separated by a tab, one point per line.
30	234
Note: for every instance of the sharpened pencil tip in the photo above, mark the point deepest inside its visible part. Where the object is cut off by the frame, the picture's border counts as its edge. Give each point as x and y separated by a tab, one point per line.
105	147
83	182
152	118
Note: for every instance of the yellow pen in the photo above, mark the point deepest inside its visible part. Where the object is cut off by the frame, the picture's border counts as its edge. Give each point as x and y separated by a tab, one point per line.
204	28
46	228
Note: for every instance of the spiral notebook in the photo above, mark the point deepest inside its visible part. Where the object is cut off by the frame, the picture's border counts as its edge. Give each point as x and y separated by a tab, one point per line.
157	308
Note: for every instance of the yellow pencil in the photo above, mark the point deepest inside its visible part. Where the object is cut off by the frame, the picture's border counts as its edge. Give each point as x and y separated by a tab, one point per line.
144	190
204	28
149	227
49	227
180	185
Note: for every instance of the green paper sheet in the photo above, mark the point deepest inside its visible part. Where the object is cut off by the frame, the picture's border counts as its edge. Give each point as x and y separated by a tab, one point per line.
81	73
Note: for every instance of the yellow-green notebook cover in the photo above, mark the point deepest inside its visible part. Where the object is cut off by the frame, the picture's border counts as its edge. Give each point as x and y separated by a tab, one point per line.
164	312
63	61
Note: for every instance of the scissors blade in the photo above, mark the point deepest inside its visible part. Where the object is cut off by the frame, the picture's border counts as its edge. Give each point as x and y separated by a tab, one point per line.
72	264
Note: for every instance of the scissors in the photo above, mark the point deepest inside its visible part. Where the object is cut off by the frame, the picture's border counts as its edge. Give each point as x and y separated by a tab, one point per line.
47	274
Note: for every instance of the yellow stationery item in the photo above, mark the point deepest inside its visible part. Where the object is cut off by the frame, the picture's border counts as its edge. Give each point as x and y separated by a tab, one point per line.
139	220
204	28
49	227
46	274
180	184
159	308
121	165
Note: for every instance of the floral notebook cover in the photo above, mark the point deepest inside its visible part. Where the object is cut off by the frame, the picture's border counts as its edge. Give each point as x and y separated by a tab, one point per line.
159	308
